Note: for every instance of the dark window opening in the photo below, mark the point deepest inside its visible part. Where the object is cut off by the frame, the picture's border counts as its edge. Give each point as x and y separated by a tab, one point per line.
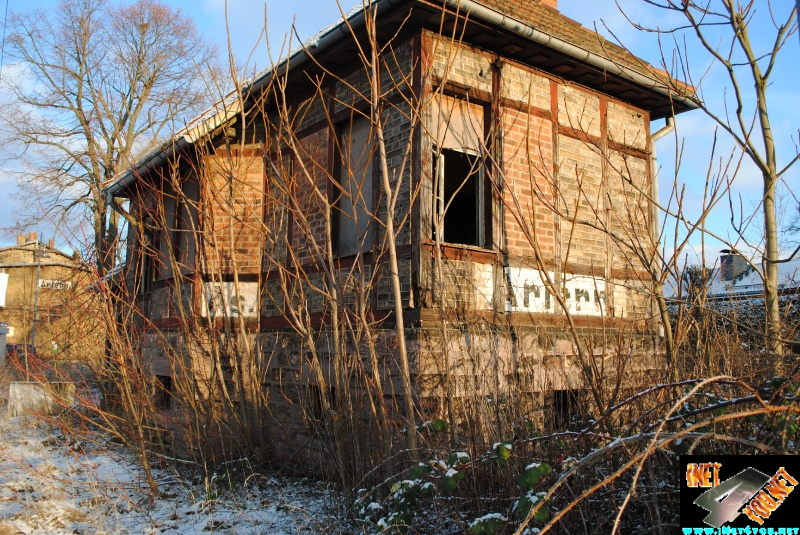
316	408
566	409
461	201
163	393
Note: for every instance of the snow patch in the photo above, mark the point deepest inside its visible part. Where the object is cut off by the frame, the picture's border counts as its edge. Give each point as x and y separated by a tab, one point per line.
51	485
490	516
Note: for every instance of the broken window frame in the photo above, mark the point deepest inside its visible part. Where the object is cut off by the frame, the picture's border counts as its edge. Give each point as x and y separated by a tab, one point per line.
453	119
175	239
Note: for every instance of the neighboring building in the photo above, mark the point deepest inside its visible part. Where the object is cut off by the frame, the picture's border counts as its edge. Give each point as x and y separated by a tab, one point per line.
736	279
733	278
520	152
728	298
59	279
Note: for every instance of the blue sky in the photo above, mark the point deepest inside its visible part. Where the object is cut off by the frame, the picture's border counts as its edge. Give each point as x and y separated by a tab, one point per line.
694	133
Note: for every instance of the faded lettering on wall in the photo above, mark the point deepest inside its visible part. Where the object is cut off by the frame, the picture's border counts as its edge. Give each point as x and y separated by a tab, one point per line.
529	292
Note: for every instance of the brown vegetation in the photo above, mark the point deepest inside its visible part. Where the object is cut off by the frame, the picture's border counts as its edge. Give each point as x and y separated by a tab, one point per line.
305	288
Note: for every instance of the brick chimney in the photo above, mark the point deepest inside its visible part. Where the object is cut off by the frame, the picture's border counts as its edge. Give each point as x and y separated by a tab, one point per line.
33	236
21	238
550	3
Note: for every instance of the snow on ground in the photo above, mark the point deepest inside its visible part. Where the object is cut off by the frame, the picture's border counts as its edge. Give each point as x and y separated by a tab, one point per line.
51	485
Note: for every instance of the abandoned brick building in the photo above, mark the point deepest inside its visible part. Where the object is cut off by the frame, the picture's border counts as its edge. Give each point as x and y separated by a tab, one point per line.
45	283
514	148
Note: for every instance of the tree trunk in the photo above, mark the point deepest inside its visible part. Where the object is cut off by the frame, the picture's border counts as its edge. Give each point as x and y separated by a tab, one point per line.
393	263
771	303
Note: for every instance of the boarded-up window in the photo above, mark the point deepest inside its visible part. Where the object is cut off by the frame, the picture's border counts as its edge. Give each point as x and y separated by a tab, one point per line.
166	223
352	205
276	209
147	252
187	225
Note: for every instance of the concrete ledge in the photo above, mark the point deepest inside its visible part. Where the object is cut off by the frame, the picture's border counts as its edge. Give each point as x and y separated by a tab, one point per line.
39	398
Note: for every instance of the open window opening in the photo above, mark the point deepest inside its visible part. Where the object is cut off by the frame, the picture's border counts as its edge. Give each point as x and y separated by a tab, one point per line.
460	199
461	192
566	408
163	393
352	203
316	402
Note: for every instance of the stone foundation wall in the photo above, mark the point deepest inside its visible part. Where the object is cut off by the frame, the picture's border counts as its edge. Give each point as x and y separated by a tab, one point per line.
490	365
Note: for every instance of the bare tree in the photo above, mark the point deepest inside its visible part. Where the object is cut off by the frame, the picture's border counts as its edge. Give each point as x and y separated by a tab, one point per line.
100	84
722	30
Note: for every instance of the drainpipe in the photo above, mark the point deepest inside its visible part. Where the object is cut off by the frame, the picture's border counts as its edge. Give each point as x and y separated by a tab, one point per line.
660	305
110	201
666	129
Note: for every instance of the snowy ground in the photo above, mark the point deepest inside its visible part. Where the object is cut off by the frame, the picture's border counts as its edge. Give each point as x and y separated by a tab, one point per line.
49	485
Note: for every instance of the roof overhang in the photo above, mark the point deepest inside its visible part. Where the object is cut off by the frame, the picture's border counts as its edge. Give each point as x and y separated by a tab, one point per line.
487	28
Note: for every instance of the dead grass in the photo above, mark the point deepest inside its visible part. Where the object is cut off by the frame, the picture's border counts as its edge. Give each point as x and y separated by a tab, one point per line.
8	529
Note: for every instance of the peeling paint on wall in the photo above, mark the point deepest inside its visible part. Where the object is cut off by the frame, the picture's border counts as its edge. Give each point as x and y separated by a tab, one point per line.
221	298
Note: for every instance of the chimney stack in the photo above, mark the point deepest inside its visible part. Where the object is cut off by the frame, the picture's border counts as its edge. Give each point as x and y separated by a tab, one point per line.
21	238
33	236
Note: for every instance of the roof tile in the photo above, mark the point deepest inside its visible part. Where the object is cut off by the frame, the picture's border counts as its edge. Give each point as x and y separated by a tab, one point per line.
550	21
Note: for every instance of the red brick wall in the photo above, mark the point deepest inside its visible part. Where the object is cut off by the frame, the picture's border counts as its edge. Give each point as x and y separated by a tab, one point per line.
582	200
528	177
311	174
568	154
232	216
